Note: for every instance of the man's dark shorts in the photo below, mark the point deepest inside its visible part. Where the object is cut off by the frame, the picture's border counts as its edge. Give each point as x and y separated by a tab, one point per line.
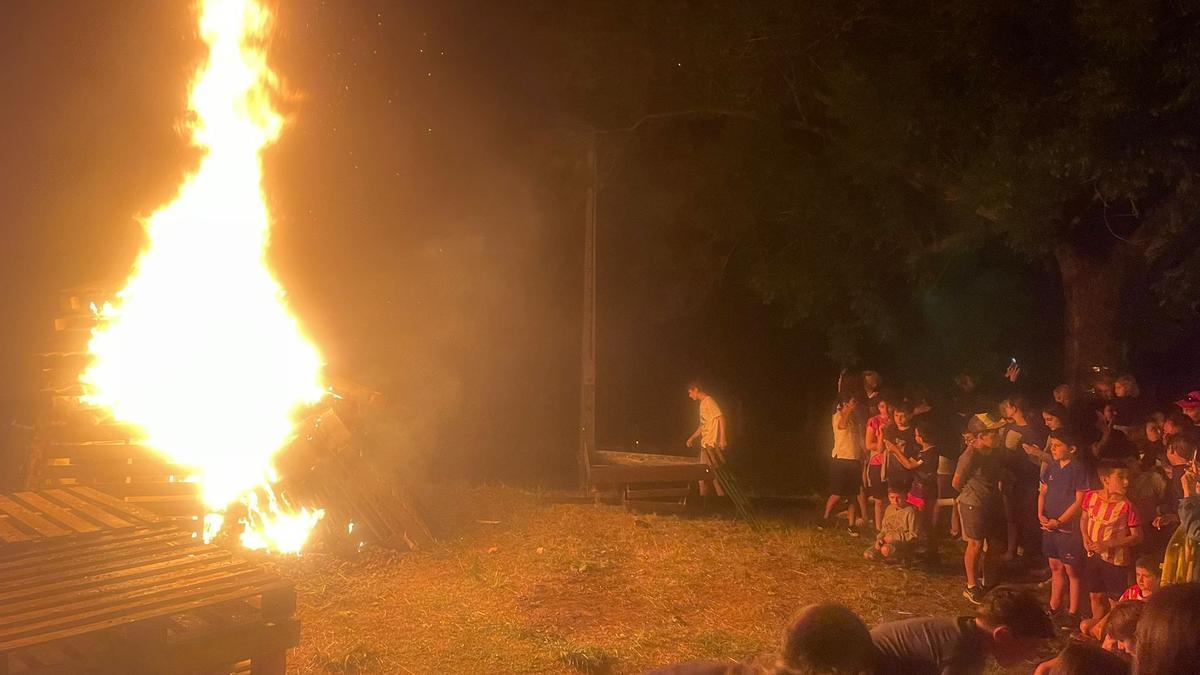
982	522
1107	578
845	477
1064	545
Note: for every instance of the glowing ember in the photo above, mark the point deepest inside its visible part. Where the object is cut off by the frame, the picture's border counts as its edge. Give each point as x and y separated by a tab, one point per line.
201	325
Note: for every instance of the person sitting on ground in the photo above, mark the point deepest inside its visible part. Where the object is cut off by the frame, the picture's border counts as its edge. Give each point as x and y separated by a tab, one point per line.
1110	531
980	508
1084	658
821	638
1009	627
898	534
1168	634
1064	482
1120	628
1147	584
845	472
1148	573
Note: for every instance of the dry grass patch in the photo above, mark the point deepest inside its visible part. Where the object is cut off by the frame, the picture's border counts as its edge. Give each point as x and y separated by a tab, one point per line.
525	585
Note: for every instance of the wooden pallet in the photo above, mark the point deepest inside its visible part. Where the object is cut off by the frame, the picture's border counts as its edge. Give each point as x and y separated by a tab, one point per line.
147	599
133	473
80	445
30	517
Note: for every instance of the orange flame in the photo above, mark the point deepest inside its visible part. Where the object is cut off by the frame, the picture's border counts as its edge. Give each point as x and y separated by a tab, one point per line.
200	352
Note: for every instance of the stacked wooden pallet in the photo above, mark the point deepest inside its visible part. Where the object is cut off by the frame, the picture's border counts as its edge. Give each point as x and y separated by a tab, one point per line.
27	518
325	468
148	598
646	481
79	444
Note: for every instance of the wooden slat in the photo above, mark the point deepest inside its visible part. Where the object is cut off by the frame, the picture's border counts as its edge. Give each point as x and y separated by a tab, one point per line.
115	473
90	509
658	493
165	604
115	598
83	433
670	473
178	491
33	520
10	556
61	556
656	507
83	452
9	534
55	512
114	503
73	587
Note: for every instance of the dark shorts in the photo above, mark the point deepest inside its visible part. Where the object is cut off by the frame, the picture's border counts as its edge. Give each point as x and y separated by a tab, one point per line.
981	522
876	488
1107	578
1064	545
845	477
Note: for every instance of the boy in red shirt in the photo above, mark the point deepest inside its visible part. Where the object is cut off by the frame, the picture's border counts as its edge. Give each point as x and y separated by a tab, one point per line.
1110	529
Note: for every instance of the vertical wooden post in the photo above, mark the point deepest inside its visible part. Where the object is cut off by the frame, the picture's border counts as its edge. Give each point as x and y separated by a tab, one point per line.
587	389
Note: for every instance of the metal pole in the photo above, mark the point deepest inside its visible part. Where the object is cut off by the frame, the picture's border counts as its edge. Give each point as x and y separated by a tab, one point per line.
587	393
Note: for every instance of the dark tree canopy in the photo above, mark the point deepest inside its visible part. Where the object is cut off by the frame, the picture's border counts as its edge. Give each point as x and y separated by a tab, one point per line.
855	151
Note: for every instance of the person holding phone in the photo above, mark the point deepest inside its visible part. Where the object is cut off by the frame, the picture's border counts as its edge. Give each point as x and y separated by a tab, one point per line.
1181	564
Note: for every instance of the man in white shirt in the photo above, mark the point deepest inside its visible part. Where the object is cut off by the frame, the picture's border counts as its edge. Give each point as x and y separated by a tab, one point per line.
710	434
845	473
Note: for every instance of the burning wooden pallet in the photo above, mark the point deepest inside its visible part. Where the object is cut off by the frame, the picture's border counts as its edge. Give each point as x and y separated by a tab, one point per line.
146	599
326	469
80	445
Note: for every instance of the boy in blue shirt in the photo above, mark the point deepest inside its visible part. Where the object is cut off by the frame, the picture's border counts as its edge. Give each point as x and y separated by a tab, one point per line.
1064	481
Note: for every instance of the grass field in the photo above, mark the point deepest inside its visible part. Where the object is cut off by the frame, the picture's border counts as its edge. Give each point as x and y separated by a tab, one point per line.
525	585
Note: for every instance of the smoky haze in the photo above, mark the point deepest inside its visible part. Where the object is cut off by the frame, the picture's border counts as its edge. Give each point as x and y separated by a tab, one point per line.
426	245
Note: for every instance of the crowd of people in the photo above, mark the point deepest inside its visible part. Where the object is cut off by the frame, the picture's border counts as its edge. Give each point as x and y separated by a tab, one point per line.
1093	496
1092	493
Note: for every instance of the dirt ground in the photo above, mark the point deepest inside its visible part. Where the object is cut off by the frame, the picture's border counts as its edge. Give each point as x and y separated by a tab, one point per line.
526	585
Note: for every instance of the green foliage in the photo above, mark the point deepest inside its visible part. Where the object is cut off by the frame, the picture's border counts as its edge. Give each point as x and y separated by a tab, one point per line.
864	143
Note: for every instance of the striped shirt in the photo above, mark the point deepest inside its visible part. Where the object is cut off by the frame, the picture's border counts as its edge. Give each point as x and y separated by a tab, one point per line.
1134	592
1108	520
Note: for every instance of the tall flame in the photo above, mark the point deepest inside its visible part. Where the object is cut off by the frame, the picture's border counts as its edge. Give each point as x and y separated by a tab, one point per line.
199	351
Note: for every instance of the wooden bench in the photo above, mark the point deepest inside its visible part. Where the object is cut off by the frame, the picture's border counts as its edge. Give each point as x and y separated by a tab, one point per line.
150	598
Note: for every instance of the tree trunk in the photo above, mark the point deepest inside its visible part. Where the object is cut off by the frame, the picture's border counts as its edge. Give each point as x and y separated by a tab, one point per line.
1092	288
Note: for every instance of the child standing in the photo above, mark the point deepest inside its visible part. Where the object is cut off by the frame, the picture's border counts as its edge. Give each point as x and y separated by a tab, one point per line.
1064	482
873	480
898	533
1110	529
980	508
